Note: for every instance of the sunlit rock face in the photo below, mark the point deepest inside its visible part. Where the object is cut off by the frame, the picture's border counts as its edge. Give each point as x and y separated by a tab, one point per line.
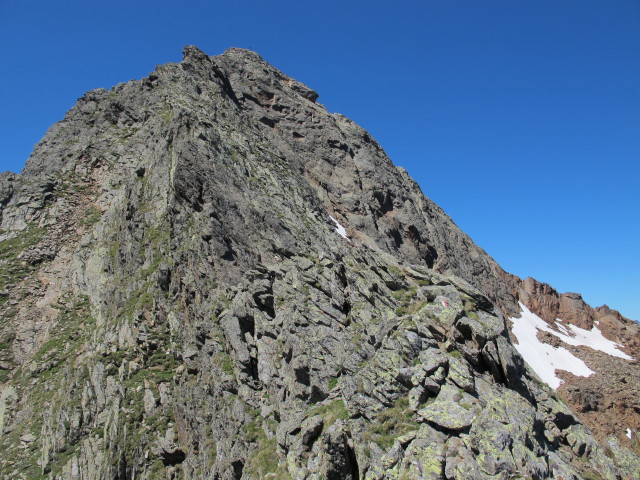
205	274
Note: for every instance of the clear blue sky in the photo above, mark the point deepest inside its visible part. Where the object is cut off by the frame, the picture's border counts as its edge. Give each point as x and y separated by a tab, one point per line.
520	118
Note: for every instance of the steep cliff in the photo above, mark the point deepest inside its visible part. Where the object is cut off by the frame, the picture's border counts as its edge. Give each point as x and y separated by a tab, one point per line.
204	274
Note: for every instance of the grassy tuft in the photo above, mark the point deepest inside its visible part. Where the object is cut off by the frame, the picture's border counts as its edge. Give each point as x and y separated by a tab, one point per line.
330	412
390	424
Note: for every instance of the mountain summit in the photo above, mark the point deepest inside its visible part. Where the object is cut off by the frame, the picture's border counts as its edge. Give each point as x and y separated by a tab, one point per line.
206	275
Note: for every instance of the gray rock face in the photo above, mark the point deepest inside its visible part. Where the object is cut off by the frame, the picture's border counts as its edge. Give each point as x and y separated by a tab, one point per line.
177	303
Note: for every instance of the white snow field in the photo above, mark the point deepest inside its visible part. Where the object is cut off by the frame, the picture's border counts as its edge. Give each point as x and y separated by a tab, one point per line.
589	338
544	359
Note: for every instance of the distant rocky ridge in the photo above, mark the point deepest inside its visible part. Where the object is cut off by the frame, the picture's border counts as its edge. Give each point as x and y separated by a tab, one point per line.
607	401
204	274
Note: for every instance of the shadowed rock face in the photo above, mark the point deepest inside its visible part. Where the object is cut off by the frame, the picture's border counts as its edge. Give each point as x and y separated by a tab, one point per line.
177	303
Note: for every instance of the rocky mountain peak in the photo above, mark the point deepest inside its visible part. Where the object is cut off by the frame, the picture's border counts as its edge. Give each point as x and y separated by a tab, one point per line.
205	274
193	53
248	55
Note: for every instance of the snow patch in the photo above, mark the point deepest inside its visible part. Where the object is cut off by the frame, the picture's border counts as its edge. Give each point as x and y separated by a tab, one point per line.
340	229
629	433
544	359
589	338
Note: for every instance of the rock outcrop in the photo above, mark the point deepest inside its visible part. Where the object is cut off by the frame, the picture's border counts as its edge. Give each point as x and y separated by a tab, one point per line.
205	274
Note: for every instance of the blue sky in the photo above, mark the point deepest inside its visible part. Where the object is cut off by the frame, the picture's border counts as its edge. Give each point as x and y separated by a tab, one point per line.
520	118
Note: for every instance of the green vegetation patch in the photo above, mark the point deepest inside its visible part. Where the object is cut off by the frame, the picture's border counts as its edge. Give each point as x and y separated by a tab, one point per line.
59	382
455	354
390	424
140	299
263	460
225	362
155	240
73	320
12	268
154	375
470	307
91	216
408	303
67	186
330	412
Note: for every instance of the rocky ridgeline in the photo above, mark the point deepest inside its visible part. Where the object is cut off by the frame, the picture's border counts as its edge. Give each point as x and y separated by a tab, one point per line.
179	300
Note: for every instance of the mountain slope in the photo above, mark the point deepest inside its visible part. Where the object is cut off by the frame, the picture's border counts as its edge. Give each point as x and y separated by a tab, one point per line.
207	275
